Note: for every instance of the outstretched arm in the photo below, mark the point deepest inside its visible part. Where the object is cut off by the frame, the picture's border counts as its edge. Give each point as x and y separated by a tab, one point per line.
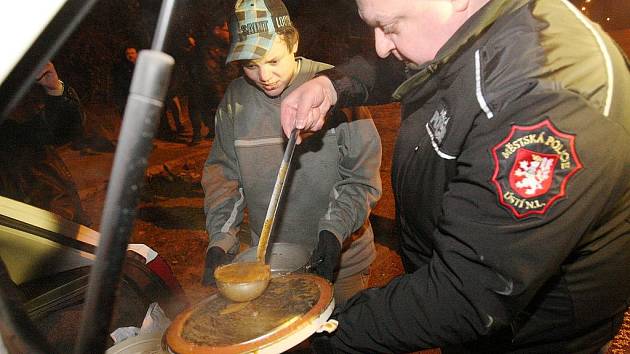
306	107
63	117
358	82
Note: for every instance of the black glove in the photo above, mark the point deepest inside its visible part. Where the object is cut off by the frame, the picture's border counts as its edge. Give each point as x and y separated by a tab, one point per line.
215	256
326	256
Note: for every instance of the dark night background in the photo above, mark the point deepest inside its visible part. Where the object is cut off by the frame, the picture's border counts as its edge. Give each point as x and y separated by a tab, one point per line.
330	31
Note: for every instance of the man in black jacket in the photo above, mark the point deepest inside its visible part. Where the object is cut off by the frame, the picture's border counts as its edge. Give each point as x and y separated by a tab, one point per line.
510	175
122	72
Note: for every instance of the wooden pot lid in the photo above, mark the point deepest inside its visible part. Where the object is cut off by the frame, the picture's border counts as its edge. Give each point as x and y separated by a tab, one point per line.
292	308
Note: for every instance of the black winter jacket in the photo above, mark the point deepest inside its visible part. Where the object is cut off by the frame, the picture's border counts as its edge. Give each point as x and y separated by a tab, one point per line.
512	191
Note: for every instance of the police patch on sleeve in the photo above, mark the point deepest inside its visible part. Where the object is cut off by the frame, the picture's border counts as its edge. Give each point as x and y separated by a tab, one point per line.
533	165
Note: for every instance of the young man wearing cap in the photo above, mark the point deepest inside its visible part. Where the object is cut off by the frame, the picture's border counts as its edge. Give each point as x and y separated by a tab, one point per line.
333	180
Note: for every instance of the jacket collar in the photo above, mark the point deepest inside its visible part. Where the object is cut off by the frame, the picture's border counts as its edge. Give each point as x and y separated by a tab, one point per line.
472	29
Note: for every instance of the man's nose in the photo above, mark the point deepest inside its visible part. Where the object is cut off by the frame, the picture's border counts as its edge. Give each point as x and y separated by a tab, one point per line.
263	73
382	44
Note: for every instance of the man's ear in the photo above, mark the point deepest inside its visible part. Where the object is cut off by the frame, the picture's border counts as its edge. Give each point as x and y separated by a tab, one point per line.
460	5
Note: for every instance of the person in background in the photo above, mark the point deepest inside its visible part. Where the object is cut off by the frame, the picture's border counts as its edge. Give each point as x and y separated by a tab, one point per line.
31	169
510	174
209	76
172	105
221	32
201	90
121	74
333	181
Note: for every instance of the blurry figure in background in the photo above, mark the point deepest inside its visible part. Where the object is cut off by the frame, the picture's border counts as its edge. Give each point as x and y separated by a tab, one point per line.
222	32
208	77
122	73
31	170
198	89
173	99
334	179
172	104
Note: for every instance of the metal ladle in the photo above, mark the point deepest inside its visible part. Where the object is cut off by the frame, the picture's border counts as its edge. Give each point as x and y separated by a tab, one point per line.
246	281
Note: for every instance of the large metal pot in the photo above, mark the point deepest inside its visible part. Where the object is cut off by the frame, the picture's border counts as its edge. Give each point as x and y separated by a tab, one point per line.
283	257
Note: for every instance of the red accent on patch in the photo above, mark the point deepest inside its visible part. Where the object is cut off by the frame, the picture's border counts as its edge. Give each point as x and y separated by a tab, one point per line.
532	167
532	173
